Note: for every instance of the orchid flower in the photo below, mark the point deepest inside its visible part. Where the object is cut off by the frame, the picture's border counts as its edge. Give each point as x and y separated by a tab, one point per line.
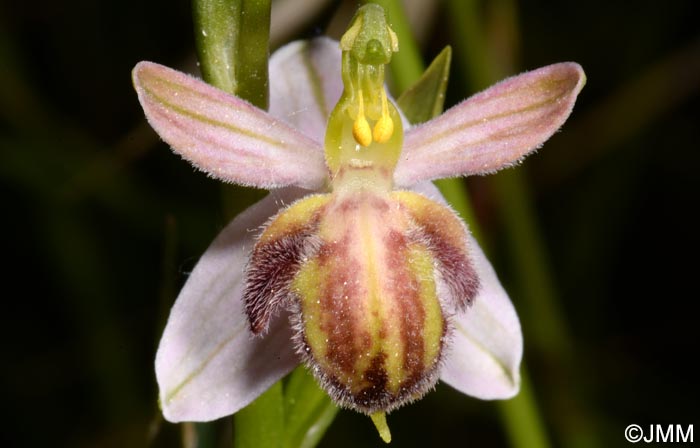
353	264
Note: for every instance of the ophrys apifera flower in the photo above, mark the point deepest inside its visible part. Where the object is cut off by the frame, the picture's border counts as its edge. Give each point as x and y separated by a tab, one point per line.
353	264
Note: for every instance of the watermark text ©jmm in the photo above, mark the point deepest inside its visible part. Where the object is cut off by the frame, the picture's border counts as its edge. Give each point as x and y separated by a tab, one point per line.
657	433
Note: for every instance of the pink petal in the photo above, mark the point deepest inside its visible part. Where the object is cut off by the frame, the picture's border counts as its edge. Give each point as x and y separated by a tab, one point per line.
208	364
486	347
493	129
224	136
305	84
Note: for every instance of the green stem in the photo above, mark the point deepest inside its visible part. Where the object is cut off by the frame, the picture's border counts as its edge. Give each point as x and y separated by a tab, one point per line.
520	415
233	39
525	428
216	31
530	262
253	52
470	42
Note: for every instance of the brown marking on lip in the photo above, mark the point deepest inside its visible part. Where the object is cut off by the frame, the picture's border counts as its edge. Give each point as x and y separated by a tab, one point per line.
376	379
455	267
374	394
383	332
338	297
369	399
271	269
445	236
411	313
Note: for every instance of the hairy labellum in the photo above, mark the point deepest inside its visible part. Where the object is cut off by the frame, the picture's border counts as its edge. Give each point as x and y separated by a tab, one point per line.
360	272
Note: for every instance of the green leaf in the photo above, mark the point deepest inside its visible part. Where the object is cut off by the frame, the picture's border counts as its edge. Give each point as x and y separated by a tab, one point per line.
308	410
232	38
294	418
261	423
425	98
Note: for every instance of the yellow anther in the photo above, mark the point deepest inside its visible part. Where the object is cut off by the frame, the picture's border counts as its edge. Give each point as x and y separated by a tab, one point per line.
360	128
362	132
384	128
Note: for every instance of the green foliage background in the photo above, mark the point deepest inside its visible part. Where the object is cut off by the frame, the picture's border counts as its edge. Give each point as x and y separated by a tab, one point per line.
101	223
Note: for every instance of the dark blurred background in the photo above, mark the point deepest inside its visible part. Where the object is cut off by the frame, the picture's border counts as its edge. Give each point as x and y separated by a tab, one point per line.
101	224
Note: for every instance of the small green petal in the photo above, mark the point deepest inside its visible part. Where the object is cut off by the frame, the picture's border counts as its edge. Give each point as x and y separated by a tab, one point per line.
424	100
